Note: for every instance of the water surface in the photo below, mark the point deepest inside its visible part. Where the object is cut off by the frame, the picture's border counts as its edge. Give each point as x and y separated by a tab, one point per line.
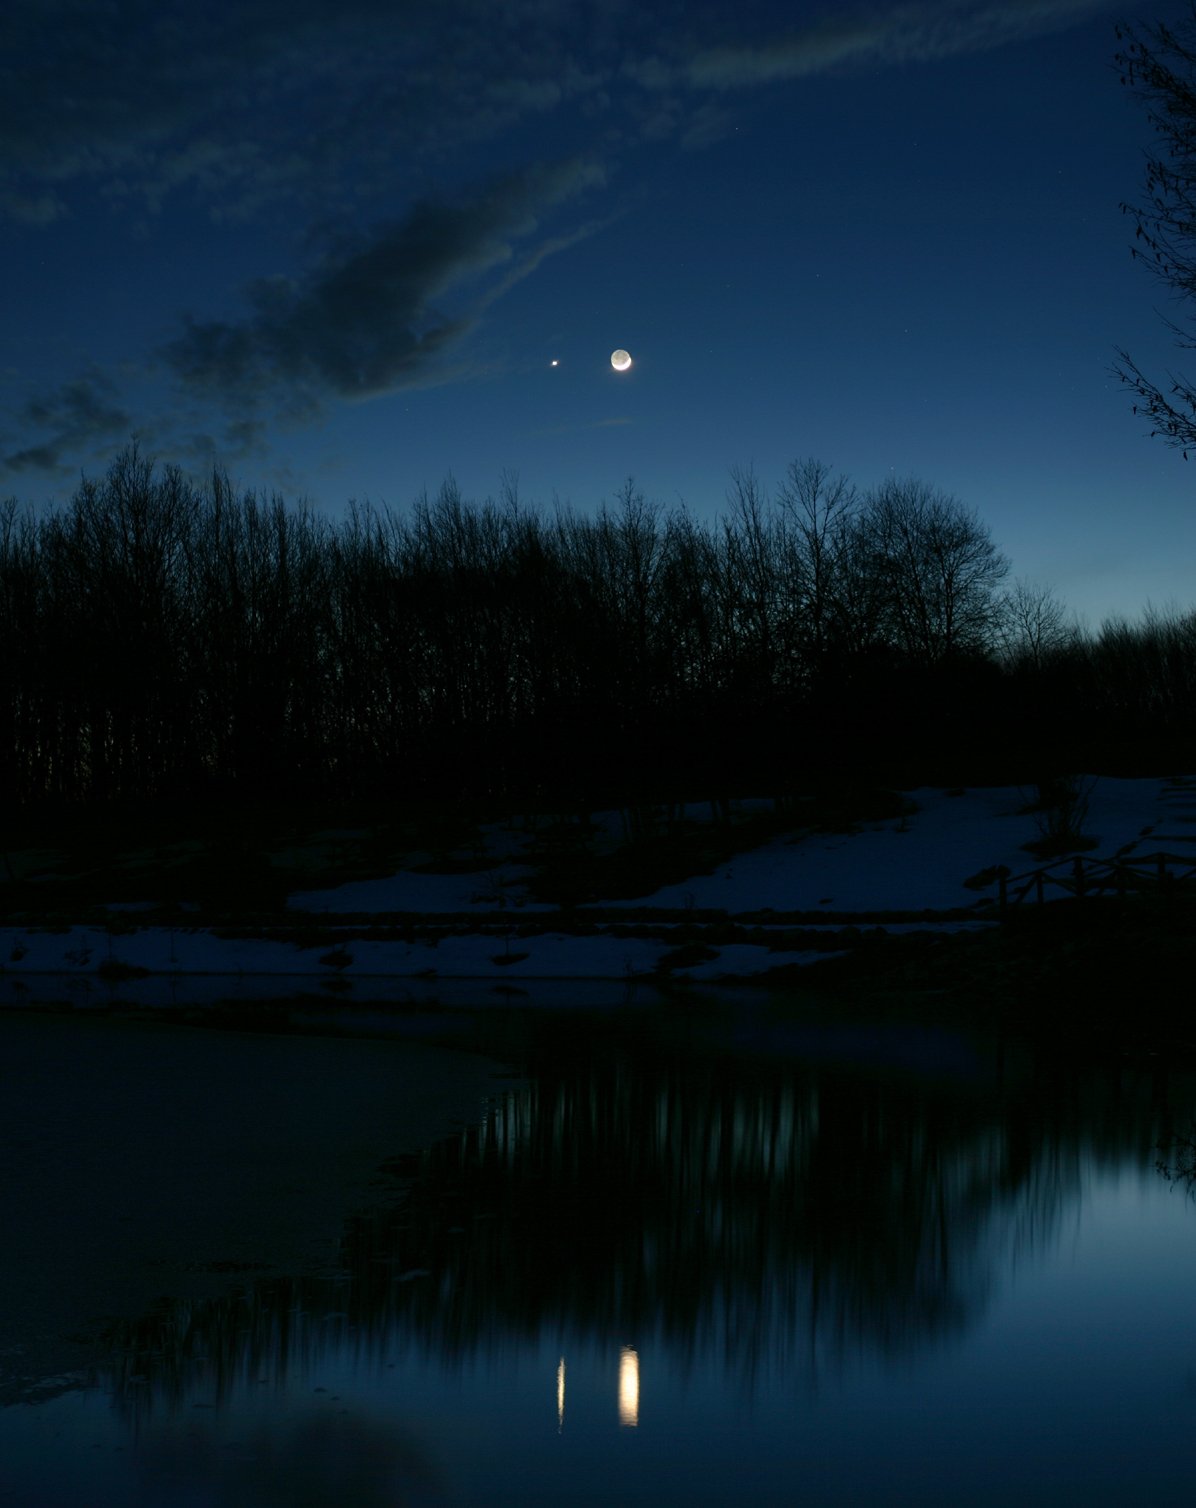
685	1262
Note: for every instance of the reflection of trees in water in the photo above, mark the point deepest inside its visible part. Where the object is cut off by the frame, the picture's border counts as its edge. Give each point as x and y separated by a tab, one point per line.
758	1216
1176	1155
696	1206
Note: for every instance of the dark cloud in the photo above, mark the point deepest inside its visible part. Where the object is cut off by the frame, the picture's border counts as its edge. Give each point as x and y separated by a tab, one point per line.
78	415
368	318
245	437
33	458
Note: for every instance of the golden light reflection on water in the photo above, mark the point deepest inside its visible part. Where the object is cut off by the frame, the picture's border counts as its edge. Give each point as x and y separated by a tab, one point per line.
629	1387
560	1395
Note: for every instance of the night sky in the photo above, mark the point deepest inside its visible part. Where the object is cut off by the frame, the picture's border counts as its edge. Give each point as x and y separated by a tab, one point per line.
348	248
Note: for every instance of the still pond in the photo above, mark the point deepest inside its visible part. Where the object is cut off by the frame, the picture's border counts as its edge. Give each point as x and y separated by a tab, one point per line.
692	1259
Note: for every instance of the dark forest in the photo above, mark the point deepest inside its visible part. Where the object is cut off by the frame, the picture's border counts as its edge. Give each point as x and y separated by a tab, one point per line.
173	642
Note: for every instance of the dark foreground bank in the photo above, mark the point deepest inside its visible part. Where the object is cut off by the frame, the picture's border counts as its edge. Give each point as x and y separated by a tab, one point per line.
142	1162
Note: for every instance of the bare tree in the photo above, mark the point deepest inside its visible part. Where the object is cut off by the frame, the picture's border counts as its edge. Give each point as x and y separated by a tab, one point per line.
1032	623
689	589
1144	674
21	651
938	568
749	576
1159	63
817	511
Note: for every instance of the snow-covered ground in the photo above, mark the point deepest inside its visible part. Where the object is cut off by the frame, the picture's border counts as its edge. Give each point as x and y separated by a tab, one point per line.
922	861
918	862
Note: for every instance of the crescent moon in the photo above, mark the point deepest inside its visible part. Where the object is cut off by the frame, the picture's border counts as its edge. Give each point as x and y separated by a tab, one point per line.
620	359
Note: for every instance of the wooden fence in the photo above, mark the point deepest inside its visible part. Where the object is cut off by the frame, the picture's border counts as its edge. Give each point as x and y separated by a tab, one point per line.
1081	876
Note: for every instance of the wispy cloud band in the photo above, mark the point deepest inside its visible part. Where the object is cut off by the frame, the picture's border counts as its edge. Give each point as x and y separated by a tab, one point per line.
909	33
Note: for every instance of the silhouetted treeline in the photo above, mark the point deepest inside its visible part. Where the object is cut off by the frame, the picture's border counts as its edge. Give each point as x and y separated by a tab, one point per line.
166	640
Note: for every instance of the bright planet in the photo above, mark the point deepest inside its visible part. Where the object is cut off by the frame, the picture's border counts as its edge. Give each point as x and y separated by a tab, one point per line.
620	359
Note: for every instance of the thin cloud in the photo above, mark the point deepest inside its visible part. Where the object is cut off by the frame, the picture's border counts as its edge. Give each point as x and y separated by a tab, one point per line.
31	208
255	104
909	33
577	429
320	106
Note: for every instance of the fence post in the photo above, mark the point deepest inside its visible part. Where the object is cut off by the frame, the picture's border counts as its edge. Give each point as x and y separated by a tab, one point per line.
1078	876
1003	893
1038	886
